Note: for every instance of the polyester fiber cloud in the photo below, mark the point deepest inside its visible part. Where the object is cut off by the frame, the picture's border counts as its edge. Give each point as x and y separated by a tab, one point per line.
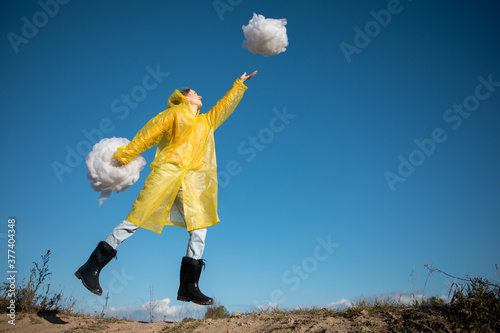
104	172
265	36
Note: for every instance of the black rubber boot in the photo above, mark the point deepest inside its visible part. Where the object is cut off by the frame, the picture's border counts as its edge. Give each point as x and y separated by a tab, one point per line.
190	275
89	272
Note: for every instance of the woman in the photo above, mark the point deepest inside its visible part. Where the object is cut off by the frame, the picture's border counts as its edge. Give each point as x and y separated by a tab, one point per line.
181	189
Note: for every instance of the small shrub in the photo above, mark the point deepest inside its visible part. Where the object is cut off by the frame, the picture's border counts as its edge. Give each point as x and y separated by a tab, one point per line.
187	320
476	305
216	311
34	295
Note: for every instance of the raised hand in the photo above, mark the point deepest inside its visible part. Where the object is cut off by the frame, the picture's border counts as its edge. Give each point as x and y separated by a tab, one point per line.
245	77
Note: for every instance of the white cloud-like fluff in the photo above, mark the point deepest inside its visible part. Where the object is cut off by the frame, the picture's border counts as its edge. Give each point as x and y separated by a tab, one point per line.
265	36
340	304
105	173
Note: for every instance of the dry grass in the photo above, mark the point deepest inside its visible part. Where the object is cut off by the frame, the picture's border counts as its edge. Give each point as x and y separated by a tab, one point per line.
35	295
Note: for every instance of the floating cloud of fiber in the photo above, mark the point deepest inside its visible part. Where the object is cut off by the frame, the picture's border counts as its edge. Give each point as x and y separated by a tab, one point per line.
105	173
265	36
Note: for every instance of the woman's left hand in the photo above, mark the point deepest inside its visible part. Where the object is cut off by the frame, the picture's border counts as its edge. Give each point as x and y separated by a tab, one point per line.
245	77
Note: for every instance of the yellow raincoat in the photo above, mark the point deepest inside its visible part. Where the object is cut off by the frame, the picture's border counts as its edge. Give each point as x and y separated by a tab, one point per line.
185	157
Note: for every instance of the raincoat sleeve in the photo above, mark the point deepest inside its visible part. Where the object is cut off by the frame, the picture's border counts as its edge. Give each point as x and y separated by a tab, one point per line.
150	135
223	109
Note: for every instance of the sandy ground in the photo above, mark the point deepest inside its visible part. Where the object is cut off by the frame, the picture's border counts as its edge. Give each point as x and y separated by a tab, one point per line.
254	322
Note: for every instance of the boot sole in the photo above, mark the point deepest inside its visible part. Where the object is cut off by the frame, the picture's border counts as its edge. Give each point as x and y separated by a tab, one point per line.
79	277
187	299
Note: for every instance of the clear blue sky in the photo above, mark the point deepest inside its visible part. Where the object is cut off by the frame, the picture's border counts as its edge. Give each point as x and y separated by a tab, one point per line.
386	144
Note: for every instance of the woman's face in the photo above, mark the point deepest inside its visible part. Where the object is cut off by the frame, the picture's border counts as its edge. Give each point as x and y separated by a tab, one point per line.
193	98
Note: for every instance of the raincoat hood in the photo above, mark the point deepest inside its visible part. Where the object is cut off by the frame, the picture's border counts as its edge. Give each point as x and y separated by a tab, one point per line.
177	98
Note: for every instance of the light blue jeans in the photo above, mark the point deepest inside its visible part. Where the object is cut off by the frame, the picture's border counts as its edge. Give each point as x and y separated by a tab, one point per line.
196	243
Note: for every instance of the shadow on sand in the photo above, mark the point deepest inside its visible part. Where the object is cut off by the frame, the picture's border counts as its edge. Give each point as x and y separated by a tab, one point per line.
51	317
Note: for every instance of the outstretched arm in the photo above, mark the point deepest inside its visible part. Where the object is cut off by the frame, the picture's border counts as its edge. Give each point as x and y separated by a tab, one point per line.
224	107
149	136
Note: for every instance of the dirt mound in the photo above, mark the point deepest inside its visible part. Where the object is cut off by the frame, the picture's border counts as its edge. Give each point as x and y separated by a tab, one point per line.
325	320
253	322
